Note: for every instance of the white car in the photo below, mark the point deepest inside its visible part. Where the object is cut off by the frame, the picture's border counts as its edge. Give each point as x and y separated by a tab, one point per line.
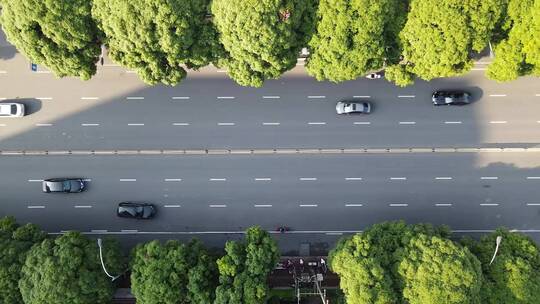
11	110
353	107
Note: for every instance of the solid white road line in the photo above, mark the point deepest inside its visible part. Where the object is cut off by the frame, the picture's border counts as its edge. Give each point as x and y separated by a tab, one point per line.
35	180
308	205
443	205
443	178
398	205
533	177
89	98
171	206
128	179
43	125
180	97
308	178
226	124
353	205
135	124
334	233
221	71
89	124
217	179
361	96
271	97
98	230
271	123
407	122
263	179
452	122
180	124
316	123
173	179
489	205
398	178
217	206
316	96
35	207
406	96
262	206
362	123
82	206
44	98
129	230
498	122
353	178
226	97
497	95
489	177
135	98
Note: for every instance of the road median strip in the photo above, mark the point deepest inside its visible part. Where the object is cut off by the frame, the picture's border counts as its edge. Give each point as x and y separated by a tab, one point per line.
276	151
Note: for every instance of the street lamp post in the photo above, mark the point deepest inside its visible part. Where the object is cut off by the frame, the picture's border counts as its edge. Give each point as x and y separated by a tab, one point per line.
103	264
497	242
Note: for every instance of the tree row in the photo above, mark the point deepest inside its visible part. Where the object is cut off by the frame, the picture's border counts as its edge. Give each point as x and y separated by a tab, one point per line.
256	40
389	263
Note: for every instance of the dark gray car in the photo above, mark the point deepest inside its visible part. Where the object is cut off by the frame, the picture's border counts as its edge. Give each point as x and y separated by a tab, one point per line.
451	98
64	185
136	210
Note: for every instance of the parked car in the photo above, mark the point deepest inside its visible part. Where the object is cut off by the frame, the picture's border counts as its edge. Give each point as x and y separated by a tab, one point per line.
353	106
448	98
65	185
136	210
11	109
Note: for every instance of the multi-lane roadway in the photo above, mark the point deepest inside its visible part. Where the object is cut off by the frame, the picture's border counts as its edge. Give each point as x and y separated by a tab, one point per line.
311	193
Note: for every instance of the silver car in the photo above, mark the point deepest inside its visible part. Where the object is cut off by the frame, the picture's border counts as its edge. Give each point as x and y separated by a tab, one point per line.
353	107
11	109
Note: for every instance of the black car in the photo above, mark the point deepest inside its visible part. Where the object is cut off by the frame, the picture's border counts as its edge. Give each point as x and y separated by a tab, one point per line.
136	210
65	185
448	98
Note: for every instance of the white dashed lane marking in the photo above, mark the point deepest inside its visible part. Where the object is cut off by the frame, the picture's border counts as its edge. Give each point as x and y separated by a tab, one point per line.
443	178
44	125
489	177
180	124
171	206
452	122
271	123
533	177
398	178
36	207
407	122
361	96
218	206
262	206
263	179
533	204
406	96
271	97
217	179
135	124
173	179
398	205
353	205
498	122
308	178
35	180
83	206
317	123
135	98
226	97
89	98
128	179
226	124
362	123
497	95
89	124
353	178
316	96
308	205
489	205
180	98
44	98
443	205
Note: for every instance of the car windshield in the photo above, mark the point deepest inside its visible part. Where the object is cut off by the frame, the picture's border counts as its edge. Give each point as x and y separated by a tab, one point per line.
13	109
66	185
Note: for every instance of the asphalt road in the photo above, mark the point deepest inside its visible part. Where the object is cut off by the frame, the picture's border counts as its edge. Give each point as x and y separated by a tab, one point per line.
309	193
115	110
328	194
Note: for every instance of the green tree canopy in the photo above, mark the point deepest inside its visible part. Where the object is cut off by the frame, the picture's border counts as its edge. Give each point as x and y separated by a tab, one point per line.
514	275
437	270
397	263
439	36
173	273
354	37
156	37
262	38
60	35
68	270
518	52
244	269
15	241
